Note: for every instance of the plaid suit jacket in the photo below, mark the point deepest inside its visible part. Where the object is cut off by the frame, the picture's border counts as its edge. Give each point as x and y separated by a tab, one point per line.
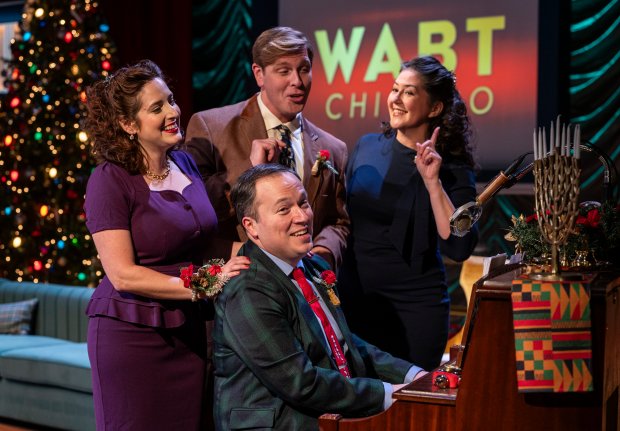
272	366
220	141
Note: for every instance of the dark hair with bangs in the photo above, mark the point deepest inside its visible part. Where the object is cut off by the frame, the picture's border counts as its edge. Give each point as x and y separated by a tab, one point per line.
455	134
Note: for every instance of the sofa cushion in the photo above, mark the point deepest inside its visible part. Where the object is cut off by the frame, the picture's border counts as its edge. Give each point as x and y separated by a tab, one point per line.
16	317
60	312
10	342
63	365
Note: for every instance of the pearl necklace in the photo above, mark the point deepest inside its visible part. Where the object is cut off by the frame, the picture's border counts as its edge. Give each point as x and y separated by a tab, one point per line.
161	177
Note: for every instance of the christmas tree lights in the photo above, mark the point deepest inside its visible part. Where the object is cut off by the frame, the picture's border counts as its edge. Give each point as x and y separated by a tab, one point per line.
62	47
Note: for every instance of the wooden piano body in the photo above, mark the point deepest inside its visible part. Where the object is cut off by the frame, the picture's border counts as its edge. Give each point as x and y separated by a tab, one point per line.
487	398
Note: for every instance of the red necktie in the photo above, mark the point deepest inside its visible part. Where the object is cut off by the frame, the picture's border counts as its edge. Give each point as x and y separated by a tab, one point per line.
312	299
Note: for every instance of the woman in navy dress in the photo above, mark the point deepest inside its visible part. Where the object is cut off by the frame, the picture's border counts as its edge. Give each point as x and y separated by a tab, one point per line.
149	214
402	187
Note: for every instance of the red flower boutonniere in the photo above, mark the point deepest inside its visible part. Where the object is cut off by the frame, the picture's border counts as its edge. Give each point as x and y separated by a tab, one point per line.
207	282
322	160
328	280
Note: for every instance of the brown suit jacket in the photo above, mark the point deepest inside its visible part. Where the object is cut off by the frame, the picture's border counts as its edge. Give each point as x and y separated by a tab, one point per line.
220	141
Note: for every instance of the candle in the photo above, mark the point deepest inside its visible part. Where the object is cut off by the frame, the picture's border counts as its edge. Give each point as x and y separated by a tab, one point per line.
557	132
563	140
552	139
577	150
535	143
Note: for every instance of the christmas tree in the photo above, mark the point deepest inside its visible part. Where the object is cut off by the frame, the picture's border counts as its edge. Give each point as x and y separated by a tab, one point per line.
62	47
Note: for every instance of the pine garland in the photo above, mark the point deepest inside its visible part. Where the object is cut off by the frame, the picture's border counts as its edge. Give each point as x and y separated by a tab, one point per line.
597	231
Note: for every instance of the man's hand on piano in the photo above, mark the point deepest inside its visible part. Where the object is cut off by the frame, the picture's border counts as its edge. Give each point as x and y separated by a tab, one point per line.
398	387
420	374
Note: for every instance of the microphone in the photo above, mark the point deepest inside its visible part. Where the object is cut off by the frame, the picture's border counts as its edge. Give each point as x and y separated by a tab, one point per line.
464	218
466	215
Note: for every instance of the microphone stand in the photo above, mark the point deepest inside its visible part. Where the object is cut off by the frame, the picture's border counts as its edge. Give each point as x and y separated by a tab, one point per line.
610	175
466	215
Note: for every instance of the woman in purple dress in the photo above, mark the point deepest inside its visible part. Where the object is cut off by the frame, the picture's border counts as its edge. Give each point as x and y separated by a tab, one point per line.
149	214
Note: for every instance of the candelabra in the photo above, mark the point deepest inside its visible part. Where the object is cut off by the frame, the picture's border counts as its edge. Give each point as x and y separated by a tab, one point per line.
556	186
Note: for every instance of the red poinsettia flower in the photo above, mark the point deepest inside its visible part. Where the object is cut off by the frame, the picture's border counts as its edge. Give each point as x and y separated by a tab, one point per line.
591	219
214	270
328	277
186	274
532	217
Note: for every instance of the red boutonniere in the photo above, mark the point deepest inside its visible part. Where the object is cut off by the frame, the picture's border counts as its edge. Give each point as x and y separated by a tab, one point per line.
322	161
328	281
207	282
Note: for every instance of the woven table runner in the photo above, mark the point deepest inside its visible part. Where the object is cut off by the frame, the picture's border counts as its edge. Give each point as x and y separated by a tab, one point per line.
553	341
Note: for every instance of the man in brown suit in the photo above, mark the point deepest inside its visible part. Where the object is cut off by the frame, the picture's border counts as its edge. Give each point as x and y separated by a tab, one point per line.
227	141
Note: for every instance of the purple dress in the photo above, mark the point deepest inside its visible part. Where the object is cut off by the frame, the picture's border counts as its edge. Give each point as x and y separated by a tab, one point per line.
148	356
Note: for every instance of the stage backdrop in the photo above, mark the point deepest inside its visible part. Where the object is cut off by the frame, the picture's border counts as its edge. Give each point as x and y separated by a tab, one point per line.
491	45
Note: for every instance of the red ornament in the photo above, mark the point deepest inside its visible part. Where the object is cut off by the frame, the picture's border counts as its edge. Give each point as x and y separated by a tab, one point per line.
591	219
444	379
14	103
38	266
105	65
68	37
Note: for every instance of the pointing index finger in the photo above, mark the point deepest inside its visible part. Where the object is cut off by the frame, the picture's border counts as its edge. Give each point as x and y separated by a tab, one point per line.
434	137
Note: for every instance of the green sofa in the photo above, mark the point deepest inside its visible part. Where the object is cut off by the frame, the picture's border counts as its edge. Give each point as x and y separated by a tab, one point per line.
45	377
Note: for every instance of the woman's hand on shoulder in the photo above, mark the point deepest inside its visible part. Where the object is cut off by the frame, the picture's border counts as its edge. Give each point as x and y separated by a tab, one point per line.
235	265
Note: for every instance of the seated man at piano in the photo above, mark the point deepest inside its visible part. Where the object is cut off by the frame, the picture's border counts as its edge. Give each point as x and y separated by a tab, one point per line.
283	353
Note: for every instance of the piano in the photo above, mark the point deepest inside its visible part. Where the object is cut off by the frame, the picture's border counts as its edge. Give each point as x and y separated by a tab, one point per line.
487	398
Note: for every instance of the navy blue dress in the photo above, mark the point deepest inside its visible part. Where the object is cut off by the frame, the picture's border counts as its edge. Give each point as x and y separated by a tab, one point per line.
392	281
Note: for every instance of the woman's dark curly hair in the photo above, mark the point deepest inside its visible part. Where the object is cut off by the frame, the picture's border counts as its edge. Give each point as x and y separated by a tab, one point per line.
455	133
114	99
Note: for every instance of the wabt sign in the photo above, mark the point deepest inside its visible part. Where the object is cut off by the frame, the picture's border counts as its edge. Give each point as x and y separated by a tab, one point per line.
492	46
